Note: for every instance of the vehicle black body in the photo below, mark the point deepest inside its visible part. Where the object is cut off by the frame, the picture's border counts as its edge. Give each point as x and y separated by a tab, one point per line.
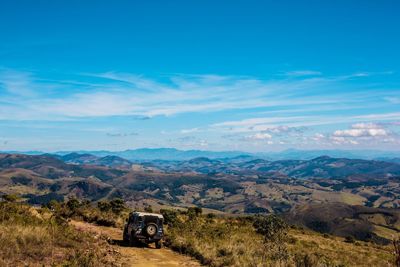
144	227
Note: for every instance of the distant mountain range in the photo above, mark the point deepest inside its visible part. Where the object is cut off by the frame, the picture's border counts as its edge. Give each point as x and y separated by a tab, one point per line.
171	154
89	159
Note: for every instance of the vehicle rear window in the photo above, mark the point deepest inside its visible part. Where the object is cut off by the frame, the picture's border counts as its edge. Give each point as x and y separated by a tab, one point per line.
151	219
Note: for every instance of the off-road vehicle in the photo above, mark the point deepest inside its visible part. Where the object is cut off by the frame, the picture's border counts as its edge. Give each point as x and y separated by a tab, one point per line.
144	227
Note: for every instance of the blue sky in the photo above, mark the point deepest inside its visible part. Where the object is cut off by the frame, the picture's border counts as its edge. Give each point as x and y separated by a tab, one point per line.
213	75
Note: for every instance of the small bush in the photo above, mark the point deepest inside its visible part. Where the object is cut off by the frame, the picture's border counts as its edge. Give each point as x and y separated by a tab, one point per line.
211	216
104	206
194	212
271	227
107	213
170	216
117	206
10	198
73	204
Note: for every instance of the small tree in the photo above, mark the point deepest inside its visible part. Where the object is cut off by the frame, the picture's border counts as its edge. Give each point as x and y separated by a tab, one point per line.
73	204
170	216
274	232
271	227
194	212
117	205
52	204
104	206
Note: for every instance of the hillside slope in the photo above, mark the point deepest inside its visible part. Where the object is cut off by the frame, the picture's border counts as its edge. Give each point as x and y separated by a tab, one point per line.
233	186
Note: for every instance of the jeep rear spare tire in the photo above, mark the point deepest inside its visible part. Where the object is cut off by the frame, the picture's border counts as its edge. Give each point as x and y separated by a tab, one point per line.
151	229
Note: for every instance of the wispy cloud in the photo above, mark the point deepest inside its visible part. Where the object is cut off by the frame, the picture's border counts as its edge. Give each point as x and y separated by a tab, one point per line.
379	116
122	94
299	73
17	83
394	100
273	112
122	134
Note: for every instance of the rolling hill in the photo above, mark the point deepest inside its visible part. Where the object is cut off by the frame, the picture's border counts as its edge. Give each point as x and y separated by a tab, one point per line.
345	189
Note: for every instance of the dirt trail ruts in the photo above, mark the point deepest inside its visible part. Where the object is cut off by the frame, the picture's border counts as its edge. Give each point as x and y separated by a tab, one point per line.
138	256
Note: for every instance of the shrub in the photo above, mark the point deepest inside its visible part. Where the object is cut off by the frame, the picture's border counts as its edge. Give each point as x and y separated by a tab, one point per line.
274	232
52	204
193	212
271	227
170	217
211	216
117	205
104	206
73	204
10	198
106	213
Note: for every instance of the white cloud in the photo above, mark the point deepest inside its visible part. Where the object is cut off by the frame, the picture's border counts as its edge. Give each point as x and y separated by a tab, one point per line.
362	130
339	140
259	136
318	137
365	133
261	124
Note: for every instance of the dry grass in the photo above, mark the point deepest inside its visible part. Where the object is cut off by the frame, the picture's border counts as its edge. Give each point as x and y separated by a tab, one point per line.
234	242
30	239
338	251
217	243
21	243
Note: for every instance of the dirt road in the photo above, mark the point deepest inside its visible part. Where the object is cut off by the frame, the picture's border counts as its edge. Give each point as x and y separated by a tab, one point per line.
138	256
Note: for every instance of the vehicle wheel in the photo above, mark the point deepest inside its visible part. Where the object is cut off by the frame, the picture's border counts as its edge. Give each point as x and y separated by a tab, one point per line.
158	244
151	229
